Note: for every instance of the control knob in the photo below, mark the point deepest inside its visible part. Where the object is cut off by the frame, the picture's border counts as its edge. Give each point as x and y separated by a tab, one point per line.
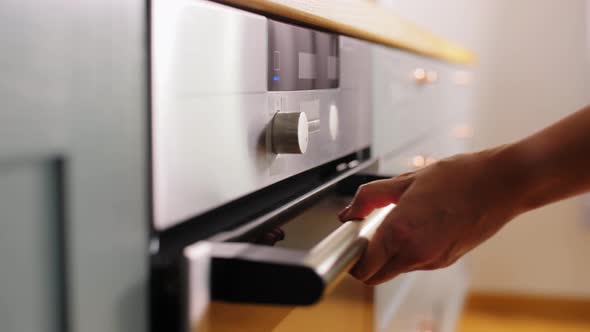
289	133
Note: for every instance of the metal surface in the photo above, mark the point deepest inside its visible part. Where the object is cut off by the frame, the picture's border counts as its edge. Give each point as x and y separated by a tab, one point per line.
337	253
212	108
243	272
290	133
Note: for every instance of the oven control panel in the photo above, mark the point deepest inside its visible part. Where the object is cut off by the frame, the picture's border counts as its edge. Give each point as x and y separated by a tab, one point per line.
301	59
235	110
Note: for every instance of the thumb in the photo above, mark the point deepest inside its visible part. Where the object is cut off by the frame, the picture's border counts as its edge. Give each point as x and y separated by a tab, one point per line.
374	195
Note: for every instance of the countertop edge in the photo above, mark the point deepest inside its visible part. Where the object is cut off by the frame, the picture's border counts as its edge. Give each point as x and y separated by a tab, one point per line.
365	21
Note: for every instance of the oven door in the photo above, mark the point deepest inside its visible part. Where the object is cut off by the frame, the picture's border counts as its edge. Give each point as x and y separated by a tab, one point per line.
238	280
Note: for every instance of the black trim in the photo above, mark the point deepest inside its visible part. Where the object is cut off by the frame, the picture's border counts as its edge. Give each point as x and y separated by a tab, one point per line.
63	308
261	282
157	284
149	120
167	299
245	209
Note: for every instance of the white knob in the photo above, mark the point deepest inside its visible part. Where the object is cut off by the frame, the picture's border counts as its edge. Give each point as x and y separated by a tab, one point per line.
290	133
333	122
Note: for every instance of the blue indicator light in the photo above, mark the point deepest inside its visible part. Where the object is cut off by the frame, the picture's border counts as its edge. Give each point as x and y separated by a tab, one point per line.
276	78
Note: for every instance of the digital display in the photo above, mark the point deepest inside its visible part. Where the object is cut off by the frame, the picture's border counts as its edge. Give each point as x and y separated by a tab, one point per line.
301	58
332	67
307	66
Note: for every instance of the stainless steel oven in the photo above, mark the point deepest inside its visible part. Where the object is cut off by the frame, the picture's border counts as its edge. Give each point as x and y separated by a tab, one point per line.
260	130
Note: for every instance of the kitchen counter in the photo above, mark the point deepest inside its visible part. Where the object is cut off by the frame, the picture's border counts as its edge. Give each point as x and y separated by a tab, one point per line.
361	20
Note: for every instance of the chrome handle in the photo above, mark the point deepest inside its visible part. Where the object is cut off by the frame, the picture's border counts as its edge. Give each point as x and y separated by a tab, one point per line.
244	272
334	256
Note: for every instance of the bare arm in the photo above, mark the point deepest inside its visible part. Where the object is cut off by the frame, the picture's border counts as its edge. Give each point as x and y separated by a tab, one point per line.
552	164
446	209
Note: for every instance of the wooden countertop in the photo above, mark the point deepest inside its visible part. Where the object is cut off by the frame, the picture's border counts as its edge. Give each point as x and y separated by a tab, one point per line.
363	20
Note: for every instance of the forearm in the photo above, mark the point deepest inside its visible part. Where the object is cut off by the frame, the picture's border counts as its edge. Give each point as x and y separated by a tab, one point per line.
548	166
450	207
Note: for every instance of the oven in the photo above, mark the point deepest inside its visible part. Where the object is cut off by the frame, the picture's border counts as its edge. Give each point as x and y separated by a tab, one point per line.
261	133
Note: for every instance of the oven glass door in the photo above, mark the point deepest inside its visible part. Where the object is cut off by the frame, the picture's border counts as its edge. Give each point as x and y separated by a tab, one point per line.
299	283
347	307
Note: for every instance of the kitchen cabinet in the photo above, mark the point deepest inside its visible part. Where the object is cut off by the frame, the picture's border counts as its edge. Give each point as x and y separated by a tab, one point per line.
73	144
419	120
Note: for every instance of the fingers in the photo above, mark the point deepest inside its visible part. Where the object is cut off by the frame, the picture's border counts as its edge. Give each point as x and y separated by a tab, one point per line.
395	266
398	246
378	251
388	239
375	195
409	258
441	264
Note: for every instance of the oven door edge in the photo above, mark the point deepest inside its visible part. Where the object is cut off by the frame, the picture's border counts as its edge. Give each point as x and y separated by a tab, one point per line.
217	269
250	273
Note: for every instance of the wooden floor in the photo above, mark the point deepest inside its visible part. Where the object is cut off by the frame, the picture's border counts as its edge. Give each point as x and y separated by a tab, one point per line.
349	309
493	313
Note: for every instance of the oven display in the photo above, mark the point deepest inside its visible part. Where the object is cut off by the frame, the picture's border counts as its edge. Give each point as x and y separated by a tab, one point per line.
301	59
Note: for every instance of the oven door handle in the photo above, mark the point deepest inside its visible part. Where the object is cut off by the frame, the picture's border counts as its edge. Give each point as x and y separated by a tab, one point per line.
249	273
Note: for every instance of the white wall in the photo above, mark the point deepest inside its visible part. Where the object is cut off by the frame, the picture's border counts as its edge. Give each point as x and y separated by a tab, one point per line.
533	69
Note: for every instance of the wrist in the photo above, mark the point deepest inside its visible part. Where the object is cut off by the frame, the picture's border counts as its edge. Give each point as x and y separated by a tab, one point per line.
508	178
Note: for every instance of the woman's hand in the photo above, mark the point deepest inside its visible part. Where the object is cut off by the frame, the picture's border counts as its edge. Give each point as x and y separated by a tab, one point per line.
443	211
446	209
